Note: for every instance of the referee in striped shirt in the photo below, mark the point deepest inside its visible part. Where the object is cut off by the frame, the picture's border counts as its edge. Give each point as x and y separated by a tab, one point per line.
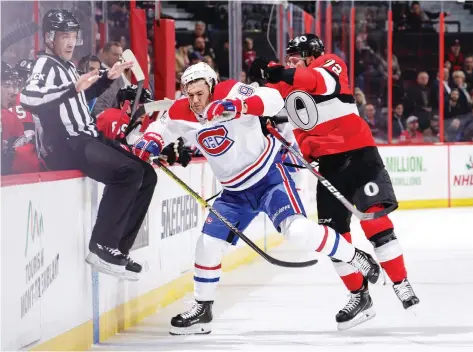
58	96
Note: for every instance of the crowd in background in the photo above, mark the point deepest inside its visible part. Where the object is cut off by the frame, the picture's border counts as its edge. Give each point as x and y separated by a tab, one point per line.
415	117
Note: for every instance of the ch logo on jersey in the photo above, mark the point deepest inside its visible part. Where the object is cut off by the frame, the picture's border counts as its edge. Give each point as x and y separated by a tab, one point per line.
245	90
214	141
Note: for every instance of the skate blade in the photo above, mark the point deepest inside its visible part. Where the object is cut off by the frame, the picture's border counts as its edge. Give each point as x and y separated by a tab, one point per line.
197	329
414	310
103	267
360	318
130	276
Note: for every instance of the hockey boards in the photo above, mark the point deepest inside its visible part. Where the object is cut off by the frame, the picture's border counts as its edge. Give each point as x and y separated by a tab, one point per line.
227	223
360	215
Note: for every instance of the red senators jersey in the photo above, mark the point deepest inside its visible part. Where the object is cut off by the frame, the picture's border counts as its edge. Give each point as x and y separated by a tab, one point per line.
322	109
24	116
25	159
112	122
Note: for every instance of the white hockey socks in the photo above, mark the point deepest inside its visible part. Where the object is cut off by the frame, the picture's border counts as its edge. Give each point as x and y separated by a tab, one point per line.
309	236
208	266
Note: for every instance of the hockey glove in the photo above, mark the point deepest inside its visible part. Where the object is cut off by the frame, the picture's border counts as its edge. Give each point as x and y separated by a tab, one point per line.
149	145
267	70
226	109
177	152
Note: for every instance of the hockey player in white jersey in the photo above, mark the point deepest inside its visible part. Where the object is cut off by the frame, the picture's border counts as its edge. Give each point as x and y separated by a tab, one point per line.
222	121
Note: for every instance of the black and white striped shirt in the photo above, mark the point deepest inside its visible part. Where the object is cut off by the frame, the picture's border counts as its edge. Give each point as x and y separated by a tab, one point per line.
51	94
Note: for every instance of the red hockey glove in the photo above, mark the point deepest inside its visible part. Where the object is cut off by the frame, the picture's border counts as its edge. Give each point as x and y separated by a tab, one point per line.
228	109
150	144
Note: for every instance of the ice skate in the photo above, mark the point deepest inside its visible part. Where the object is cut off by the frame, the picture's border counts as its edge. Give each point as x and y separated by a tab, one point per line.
107	260
406	294
358	310
196	321
368	267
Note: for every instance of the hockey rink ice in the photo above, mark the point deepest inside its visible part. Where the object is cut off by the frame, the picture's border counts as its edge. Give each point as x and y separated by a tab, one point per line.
261	307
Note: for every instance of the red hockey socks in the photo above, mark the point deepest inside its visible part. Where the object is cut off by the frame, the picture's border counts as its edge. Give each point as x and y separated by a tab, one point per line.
352	278
380	232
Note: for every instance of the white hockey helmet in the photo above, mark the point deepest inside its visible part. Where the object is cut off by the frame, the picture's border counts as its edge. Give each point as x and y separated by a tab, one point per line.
199	71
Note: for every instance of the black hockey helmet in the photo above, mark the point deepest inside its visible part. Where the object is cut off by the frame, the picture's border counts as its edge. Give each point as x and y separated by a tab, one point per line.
306	45
24	68
129	93
61	21
9	75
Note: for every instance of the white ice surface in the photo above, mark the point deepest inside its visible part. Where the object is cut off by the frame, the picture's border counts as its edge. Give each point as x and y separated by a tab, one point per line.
265	308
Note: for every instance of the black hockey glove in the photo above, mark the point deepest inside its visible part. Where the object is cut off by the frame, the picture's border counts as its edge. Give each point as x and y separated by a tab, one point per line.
266	70
185	154
264	121
177	153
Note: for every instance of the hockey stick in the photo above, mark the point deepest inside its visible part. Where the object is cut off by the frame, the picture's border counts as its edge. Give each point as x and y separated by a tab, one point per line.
228	224
140	78
360	215
18	34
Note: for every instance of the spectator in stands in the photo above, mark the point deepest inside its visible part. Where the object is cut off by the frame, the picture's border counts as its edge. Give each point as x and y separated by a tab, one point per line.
419	99
452	130
201	48
459	83
455	57
360	101
89	63
377	128
182	58
434	89
195	57
86	64
468	71
454	107
249	54
468	132
431	134
412	133
360	53
419	20
383	66
118	15
210	61
112	52
199	32
398	120
123	42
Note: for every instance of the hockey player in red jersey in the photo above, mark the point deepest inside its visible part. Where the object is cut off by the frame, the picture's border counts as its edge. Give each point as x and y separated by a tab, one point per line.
24	68
18	148
328	129
112	123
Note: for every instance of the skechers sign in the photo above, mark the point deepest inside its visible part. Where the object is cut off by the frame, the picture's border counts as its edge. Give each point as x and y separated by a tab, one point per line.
178	214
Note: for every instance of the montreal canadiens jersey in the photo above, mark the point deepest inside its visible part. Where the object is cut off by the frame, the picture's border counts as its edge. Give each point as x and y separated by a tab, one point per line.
237	151
322	109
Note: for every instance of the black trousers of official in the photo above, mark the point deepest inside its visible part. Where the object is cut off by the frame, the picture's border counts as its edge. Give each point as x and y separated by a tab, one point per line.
129	185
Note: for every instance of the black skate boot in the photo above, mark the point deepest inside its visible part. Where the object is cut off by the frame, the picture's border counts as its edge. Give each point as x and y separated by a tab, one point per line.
132	270
406	294
106	260
195	321
358	309
368	267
